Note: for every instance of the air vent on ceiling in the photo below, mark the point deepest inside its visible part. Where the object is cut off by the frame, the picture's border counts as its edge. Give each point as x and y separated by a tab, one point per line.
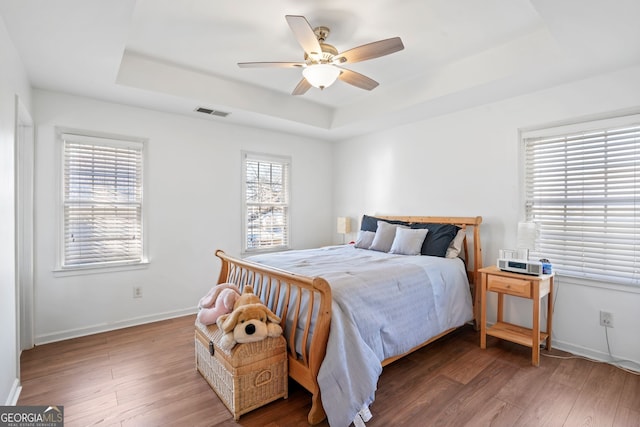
211	112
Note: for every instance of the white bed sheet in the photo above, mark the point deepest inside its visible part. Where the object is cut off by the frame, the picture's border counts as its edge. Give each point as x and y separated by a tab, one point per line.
383	306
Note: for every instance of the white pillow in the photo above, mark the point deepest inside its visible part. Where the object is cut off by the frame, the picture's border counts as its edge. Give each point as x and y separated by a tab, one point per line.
456	244
408	241
365	238
385	233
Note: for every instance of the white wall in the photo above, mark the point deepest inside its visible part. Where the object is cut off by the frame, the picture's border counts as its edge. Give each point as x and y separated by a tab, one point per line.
13	82
467	164
193	196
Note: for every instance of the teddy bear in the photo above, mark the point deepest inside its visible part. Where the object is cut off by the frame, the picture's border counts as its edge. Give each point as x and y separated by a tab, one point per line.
249	321
219	300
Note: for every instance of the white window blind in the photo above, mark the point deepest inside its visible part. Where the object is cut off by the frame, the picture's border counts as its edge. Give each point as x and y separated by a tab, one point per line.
266	196
583	191
102	201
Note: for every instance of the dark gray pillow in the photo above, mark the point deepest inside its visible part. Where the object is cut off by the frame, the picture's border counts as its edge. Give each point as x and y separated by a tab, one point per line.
370	223
438	238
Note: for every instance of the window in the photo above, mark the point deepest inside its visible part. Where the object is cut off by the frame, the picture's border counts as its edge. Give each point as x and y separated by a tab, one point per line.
583	191
266	202
102	201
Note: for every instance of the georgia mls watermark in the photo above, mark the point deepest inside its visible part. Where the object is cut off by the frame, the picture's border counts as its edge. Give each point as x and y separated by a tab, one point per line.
31	416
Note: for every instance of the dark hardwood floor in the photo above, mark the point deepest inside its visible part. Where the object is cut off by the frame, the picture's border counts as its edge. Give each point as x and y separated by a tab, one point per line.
145	376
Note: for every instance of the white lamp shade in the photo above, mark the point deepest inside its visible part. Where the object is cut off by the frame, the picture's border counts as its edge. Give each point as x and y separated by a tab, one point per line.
344	225
321	75
527	235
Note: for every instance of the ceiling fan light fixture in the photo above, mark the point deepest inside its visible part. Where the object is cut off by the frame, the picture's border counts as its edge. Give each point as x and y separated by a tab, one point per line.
321	75
322	63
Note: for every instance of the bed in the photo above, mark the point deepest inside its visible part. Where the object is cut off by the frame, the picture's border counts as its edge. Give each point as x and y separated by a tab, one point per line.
337	345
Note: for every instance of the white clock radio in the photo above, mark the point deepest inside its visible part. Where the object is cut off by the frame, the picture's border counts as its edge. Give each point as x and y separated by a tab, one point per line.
520	266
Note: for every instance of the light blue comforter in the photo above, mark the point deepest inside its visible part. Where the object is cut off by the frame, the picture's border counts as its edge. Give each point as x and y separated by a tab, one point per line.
383	306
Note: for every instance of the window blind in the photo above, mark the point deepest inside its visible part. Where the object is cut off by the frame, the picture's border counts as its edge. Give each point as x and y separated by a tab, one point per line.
102	201
583	191
266	189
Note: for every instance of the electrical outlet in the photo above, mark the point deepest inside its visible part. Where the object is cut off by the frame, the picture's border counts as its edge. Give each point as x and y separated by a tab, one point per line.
606	319
137	291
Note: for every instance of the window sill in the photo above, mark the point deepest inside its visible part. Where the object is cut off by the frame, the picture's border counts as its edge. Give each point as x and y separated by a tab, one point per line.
99	269
592	283
264	251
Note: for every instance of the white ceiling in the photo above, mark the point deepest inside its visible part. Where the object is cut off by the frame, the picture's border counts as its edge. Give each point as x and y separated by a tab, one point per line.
178	55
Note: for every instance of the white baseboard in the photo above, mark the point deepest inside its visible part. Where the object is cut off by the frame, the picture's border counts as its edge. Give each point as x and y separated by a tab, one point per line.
596	355
14	393
95	329
592	354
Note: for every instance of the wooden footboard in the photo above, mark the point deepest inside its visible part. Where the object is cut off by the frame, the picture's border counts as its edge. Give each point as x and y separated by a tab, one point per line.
297	299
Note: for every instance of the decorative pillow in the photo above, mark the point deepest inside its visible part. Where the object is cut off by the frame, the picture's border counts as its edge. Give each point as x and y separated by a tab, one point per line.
438	238
364	240
408	241
385	234
456	244
370	223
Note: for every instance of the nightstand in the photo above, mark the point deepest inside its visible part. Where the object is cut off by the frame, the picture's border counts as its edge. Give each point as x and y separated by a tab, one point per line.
492	279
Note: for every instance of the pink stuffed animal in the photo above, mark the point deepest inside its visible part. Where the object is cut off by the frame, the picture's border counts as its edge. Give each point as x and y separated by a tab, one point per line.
218	301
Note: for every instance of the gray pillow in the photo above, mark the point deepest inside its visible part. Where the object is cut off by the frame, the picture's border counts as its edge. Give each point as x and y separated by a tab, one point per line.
365	238
456	244
408	241
384	236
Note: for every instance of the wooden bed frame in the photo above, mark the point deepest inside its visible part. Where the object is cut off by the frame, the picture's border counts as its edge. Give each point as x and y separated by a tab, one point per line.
283	292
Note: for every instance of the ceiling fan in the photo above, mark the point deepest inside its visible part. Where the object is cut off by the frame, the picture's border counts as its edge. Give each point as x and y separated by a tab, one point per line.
322	62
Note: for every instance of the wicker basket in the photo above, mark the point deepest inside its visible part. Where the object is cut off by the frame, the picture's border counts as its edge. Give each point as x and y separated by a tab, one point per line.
246	377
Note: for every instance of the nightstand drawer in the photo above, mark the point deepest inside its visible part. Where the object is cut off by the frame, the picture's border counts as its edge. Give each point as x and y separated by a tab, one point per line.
510	286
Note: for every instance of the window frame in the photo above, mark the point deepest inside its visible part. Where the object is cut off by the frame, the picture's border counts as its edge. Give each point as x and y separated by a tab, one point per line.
61	269
285	161
615	121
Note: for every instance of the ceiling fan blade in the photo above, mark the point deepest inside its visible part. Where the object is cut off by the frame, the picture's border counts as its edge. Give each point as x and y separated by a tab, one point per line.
270	64
370	50
302	87
304	34
357	79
